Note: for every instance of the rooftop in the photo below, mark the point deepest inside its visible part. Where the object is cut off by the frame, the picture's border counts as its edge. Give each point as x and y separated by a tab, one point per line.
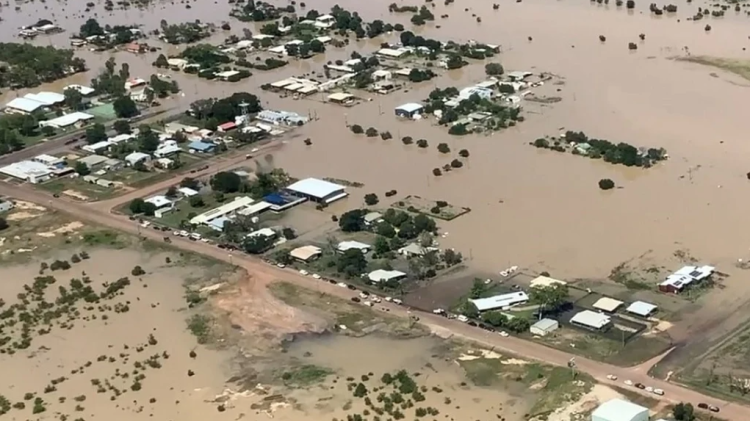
500	301
410	107
136	157
25	169
266	232
93	160
545	324
187	191
201	146
591	319
84	90
24	104
47	98
305	253
546	281
314	187
67	120
348	245
382	275
641	308
159	201
618	410
225	209
607	304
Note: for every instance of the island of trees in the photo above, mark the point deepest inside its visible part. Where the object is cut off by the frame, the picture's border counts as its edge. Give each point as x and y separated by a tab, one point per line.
27	66
578	143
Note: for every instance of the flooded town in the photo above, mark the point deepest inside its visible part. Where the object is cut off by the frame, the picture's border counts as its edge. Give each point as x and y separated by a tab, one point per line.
370	212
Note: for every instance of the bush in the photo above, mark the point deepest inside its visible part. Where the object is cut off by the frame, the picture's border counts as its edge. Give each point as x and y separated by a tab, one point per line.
138	271
456	163
386	135
371	132
493	69
422	143
632	46
630	4
357	129
443	148
407	140
606	184
463	153
371	199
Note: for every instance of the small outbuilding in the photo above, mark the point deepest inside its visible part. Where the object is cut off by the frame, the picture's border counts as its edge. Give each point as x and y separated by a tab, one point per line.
341	98
620	410
306	253
409	110
641	308
159	201
591	320
136	158
382	275
202	147
607	304
544	326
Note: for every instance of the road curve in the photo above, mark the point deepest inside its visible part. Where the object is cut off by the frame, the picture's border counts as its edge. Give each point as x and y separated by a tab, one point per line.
527	349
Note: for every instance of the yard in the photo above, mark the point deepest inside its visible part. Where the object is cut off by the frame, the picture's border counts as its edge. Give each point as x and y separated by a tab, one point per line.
434	208
78	189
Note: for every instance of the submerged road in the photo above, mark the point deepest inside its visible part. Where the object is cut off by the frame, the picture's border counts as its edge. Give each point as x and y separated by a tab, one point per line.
102	215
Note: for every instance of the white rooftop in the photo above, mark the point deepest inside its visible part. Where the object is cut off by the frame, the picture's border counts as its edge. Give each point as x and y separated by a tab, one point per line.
546	281
136	157
500	301
314	187
410	107
620	410
607	304
84	90
641	308
382	275
227	208
591	319
158	201
26	169
266	232
47	98
187	191
347	245
67	120
24	104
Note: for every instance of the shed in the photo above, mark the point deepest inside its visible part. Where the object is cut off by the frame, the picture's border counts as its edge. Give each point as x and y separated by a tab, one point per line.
137	157
306	253
607	304
230	125
409	110
544	326
591	320
319	191
340	98
687	275
203	147
356	245
382	275
641	308
619	410
500	301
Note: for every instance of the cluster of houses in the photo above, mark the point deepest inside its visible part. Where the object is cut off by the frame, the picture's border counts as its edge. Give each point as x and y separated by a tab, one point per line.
304	87
43	27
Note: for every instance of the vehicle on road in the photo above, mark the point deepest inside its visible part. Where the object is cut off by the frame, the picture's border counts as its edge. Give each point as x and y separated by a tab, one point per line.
628	383
364	294
462	318
56	195
280	265
713	408
303	272
640	386
504	334
315	276
356	299
376	299
195	236
367	303
341	284
649	389
397	301
703	405
659	392
184	233
351	287
611	377
389	299
439	311
249	156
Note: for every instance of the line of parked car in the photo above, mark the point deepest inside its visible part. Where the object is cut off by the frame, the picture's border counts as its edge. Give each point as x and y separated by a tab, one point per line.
660	392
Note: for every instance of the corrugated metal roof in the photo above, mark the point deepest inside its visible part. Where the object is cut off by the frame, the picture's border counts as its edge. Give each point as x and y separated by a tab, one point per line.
619	410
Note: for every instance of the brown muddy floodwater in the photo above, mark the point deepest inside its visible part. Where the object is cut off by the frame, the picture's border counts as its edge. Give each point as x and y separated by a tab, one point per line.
552	214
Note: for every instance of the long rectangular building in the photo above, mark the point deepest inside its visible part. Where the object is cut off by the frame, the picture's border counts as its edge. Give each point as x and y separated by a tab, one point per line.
500	301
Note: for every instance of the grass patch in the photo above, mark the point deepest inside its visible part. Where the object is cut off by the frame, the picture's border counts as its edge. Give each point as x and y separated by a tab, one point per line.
200	326
434	208
105	238
560	386
739	67
305	375
83	190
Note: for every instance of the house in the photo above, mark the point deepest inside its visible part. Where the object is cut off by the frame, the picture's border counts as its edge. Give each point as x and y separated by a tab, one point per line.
393	53
641	308
47	98
226	209
382	275
68	120
306	253
202	147
319	191
265	232
544	327
92	161
33	172
134	82
227	74
6	205
414	249
166	150
113	164
136	158
410	110
105	183
591	320
353	245
159	201
546	281
219	223
379	75
341	98
620	410
136	48
164	163
48	160
501	301
687	275
324	21
172	128
115	140
97	147
84	90
255	209
282	117
23	106
177	63
466	93
372	218
607	304
518	75
223	128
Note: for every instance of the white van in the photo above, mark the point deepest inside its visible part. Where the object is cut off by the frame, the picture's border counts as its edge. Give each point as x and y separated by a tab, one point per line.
462	318
195	236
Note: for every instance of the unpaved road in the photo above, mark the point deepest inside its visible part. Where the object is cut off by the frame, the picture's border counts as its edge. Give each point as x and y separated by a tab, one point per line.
262	273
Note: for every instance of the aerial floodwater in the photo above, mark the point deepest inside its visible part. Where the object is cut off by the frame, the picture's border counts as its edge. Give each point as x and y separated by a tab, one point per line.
615	72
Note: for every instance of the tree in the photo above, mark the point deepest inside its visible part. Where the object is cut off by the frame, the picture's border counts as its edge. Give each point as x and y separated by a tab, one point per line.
161	61
493	69
463	153
148	140
257	244
443	148
171	192
352	221
96	133
477	289
73	99
3	224
469	309
424	223
352	262
683	412
81	168
226	182
549	298
452	258
386	230
495	318
288	233
122	127
140	206
91	28
422	143
371	199
381	246
125	107
518	324
197	201
357	129
606	184
317	46
371	132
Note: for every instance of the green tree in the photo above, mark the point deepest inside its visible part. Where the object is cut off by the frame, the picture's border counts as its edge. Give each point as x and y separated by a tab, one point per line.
424	223
683	412
81	168
226	182
357	129
3	224
381	246
352	220
549	298
125	107
606	184
96	133
386	230
317	46
493	69
90	28
73	99
469	310
371	199
148	140
352	262
161	61
477	289
171	192
518	324
443	148
495	318
197	201
122	127
257	244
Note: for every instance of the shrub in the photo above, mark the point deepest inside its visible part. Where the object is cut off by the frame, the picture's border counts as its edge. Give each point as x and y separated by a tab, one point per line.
606	184
422	143
357	129
456	163
138	271
443	148
463	153
371	199
386	136
371	132
407	140
632	46
436	172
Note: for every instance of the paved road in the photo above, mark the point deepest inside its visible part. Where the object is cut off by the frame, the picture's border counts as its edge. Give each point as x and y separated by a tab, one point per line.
526	349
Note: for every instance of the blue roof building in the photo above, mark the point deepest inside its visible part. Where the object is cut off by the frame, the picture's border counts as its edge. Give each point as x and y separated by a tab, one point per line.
202	147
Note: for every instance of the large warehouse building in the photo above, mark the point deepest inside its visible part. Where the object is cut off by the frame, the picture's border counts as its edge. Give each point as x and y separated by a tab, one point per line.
619	410
319	191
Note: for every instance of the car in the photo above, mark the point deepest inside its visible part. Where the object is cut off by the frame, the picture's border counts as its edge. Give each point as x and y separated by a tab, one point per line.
649	389
315	276
462	318
640	386
703	405
303	272
389	299
280	265
503	333
659	392
249	156
364	294
351	287
438	311
397	301
356	299
342	285
375	299
195	236
184	233
611	377
472	323
628	383
367	303
713	408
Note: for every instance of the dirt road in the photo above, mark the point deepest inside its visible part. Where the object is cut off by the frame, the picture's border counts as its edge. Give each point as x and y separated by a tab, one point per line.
263	274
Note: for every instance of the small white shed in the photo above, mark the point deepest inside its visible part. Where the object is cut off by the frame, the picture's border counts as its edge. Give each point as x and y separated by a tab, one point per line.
544	326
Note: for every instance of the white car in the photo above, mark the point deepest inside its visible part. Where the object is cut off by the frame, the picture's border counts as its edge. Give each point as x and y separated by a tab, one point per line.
184	233
176	233
376	299
628	383
504	334
389	299
367	303
659	392
195	236
611	377
462	318
303	272
438	311
397	301
363	294
649	389
280	265
342	285
315	276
